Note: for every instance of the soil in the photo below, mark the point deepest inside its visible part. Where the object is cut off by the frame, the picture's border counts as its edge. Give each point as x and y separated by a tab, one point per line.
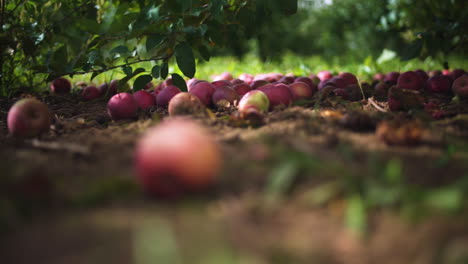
70	197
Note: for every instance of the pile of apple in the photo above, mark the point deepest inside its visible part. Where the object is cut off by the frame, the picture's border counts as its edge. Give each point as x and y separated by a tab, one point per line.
181	156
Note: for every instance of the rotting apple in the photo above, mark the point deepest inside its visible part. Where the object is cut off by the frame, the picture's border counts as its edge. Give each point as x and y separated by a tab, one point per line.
90	93
460	86
253	105
439	84
60	86
176	157
224	96
410	80
122	106
204	91
28	117
166	94
185	104
144	99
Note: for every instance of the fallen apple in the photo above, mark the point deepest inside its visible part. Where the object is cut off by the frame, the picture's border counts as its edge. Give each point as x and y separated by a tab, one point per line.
90	93
28	118
410	80
300	91
176	157
60	86
166	94
439	84
278	95
204	91
460	86
185	104
122	106
242	89
144	99
224	96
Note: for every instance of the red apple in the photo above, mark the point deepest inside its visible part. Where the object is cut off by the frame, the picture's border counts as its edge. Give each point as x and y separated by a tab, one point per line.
336	81
90	93
307	81
204	91
278	94
349	78
434	73
224	96
324	75
166	94
456	73
221	83
445	72
242	89
286	80
440	84
460	86
28	118
60	86
223	76
410	80
422	74
122	106
247	78
258	83
392	77
237	81
185	104
314	79
300	91
379	77
176	157
144	99
381	91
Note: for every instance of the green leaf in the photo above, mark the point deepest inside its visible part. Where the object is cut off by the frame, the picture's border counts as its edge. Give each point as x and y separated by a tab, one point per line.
449	198
164	70
387	55
153	41
95	74
178	81
141	81
153	13
121	49
185	59
155	71
204	52
127	70
413	50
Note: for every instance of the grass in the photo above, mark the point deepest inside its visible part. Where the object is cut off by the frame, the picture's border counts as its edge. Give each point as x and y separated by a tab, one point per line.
291	63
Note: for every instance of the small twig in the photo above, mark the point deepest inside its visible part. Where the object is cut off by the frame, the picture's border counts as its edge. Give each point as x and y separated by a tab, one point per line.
60	146
377	106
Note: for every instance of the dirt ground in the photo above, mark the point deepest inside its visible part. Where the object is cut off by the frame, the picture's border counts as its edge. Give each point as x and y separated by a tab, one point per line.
70	197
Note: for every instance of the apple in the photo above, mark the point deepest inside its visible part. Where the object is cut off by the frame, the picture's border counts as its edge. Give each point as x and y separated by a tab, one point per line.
439	84
341	92
460	86
349	78
237	81
286	80
242	89
90	93
221	83
391	77
247	78
308	81
324	75
144	99
28	117
314	79
60	86
456	73
410	80
122	106
223	76
253	104
445	72
176	157
278	94
379	77
422	74
166	94
81	84
224	96
258	83
381	91
204	91
434	73
300	91
114	85
185	103
336	81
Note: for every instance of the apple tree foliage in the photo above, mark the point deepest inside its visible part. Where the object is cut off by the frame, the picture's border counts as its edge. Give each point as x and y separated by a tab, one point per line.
43	39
